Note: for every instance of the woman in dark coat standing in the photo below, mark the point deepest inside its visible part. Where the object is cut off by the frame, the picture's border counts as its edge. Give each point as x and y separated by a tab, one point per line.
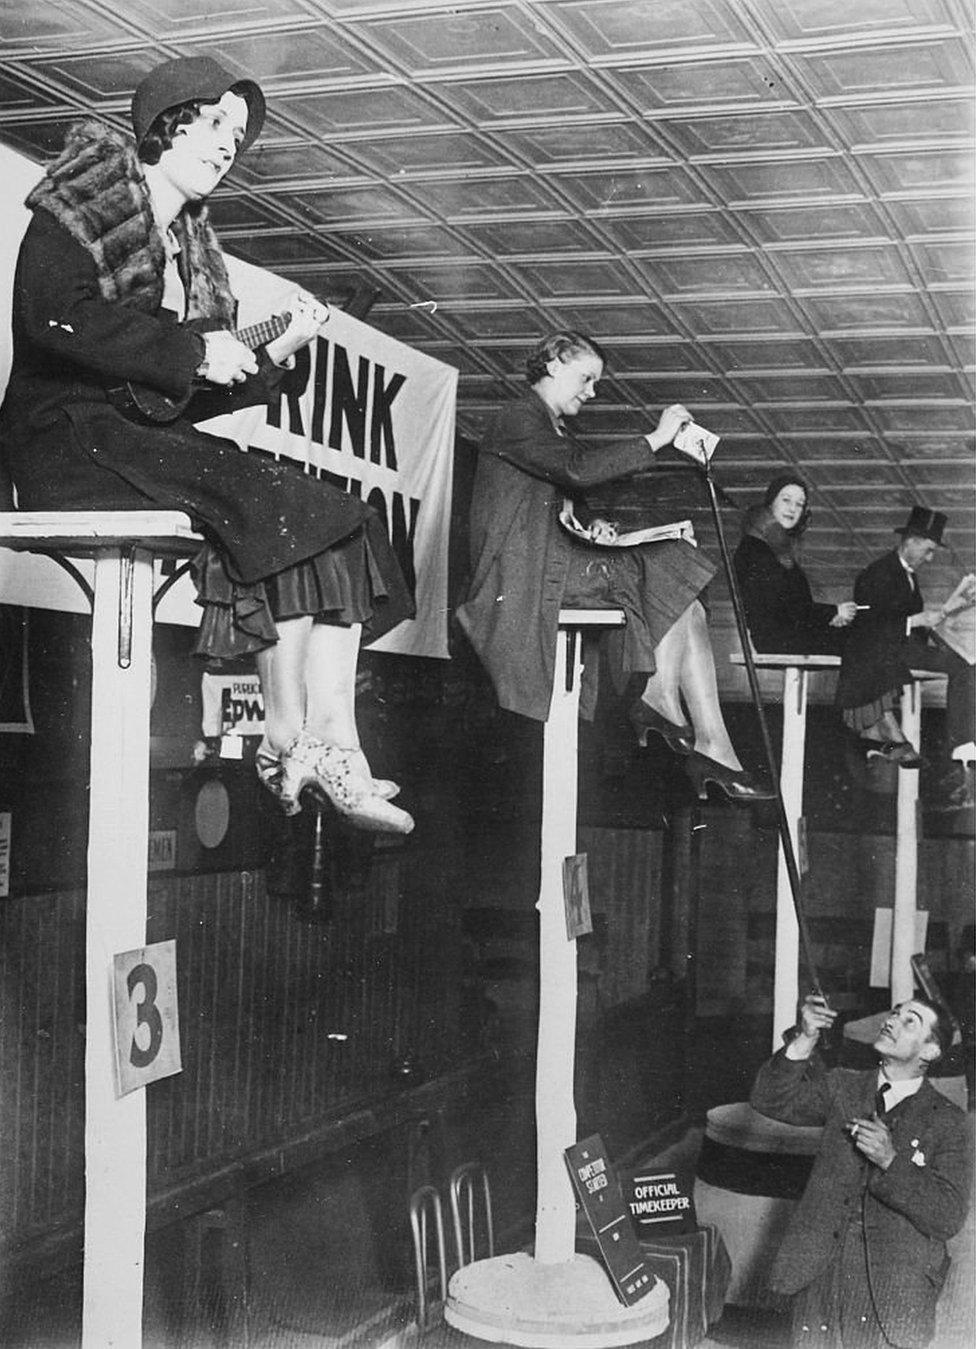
121	281
781	612
526	567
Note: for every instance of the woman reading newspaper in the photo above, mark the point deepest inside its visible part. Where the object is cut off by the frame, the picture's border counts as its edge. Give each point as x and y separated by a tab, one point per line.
530	558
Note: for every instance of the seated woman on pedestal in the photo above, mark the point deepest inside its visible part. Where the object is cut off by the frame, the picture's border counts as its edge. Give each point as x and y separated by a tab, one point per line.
526	567
781	613
121	282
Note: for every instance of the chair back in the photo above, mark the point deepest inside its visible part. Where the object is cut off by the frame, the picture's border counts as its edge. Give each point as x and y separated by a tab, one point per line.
471	1212
427	1225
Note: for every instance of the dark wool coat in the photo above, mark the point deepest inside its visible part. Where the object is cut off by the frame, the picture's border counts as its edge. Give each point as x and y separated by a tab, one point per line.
86	317
909	1211
520	553
878	657
781	613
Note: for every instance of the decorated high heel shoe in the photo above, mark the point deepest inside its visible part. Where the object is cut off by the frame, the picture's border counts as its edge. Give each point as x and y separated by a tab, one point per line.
736	783
267	764
680	738
328	772
385	788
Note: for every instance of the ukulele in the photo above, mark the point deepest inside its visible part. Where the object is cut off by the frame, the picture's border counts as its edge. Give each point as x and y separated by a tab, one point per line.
140	403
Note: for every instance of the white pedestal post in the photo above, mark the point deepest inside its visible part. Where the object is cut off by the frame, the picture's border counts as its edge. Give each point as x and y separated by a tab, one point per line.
901	976
786	957
906	854
787	953
115	1128
555	1106
558	1298
122	545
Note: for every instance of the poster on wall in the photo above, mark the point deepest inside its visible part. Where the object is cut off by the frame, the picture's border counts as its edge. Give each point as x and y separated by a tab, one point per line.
363	410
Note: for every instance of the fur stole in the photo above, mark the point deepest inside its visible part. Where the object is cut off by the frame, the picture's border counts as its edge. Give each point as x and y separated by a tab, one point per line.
97	191
759	524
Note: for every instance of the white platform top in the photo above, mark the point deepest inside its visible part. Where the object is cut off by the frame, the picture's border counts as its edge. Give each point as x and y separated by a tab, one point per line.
767	660
87	531
783	660
588	618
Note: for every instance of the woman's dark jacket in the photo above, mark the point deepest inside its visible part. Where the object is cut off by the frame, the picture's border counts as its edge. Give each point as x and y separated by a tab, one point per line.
86	316
519	551
781	613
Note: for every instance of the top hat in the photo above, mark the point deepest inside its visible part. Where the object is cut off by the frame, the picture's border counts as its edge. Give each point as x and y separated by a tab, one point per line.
186	78
924	524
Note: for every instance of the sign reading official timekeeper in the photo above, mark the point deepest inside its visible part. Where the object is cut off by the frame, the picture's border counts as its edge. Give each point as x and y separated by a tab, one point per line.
660	1202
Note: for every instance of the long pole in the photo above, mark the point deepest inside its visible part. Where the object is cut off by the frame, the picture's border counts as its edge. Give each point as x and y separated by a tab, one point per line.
785	833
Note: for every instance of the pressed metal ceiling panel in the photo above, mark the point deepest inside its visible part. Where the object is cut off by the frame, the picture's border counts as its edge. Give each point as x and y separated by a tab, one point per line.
301	54
438	42
763	208
575	141
795	20
614	28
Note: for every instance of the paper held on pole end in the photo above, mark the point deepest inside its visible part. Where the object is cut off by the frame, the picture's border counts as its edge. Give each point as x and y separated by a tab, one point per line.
694	441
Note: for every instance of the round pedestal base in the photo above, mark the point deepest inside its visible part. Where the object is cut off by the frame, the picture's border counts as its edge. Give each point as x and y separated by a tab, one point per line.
513	1299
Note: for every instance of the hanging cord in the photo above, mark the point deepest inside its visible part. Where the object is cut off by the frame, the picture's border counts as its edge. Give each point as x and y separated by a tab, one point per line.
786	837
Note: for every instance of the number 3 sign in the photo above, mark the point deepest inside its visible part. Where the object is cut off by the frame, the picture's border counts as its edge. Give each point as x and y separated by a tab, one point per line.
147	1027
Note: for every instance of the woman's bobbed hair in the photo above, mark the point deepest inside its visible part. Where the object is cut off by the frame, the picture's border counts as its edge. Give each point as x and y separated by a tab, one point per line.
561	347
159	138
790	480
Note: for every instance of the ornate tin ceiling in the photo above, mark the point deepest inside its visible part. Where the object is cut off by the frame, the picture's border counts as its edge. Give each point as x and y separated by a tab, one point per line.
762	208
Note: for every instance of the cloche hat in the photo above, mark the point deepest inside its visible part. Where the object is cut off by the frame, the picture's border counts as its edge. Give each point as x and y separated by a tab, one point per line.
186	78
924	524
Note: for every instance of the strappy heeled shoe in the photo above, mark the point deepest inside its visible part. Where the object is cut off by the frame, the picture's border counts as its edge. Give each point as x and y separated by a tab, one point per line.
680	738
736	783
267	764
329	773
900	752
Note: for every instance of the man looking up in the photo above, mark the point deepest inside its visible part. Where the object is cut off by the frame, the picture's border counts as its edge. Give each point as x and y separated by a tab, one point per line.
864	1254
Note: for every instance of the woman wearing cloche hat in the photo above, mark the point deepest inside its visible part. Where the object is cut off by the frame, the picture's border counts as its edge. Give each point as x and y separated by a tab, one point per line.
892	635
123	328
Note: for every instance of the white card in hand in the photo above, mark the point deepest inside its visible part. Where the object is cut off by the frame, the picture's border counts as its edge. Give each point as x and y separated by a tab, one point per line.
696	442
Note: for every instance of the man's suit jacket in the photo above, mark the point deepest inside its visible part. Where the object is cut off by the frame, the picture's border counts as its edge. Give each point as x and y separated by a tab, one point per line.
908	1211
878	654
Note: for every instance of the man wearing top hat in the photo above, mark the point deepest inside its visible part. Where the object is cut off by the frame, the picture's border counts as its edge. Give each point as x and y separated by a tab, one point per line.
891	636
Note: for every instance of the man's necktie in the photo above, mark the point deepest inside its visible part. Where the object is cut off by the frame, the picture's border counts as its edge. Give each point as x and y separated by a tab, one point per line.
879	1100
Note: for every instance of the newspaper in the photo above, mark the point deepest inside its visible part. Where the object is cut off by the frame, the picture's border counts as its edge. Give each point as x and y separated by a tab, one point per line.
958	631
604	535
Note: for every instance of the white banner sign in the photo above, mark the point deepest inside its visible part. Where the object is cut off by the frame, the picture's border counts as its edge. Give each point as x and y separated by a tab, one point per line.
375	418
